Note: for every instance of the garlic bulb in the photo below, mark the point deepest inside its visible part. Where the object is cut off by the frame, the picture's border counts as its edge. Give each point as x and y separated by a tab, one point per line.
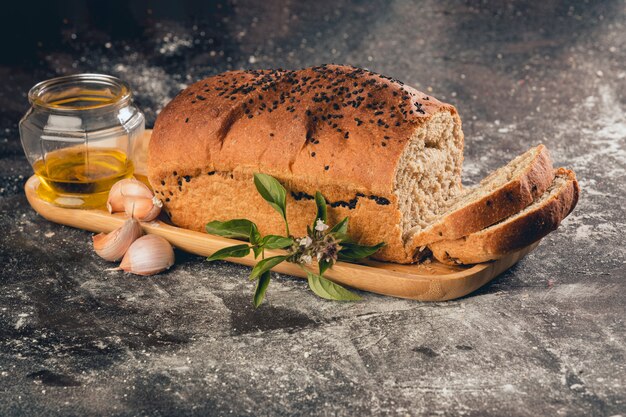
135	198
124	189
143	209
148	255
113	246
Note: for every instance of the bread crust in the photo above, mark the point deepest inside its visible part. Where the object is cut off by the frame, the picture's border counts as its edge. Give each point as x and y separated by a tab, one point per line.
337	129
498	240
503	202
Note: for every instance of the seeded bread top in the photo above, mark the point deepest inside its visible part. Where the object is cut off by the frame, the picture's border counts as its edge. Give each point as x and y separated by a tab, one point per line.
328	127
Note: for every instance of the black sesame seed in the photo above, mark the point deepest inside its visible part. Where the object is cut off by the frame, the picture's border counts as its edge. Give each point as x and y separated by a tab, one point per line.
327	167
187	178
301	196
313	154
162	182
174	173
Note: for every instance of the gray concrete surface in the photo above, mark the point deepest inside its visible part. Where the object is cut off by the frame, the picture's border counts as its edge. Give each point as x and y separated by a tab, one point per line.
547	337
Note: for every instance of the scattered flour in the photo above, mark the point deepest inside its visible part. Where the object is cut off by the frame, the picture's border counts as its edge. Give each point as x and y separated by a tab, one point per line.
607	135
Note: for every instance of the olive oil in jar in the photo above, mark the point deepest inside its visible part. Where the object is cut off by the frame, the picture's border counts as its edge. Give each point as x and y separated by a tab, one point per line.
81	177
80	136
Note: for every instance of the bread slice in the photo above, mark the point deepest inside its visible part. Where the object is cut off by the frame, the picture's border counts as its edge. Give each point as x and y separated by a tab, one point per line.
517	231
501	194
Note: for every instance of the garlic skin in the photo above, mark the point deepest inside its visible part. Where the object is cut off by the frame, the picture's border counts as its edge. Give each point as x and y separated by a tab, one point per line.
148	255
124	189
143	209
112	246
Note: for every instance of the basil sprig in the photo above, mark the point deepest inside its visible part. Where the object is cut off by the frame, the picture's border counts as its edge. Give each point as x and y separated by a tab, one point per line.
322	243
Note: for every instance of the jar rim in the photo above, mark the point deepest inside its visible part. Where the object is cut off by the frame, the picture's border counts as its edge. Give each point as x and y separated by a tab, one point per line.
117	92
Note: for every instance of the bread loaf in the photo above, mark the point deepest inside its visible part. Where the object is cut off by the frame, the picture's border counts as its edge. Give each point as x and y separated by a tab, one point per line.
380	152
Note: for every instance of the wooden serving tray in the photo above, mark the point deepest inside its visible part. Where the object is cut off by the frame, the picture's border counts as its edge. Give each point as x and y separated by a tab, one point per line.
432	281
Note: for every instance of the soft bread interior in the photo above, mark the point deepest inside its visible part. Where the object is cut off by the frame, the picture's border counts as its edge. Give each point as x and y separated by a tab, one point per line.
429	171
494	181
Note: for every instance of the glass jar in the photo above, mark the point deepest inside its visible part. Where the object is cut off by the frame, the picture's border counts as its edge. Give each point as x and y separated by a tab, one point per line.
80	135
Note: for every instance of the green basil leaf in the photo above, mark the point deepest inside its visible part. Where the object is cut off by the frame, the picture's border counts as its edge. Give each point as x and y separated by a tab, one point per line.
255	236
265	265
340	230
261	288
235	229
324	265
237	251
322	214
273	192
257	251
352	251
327	289
276	242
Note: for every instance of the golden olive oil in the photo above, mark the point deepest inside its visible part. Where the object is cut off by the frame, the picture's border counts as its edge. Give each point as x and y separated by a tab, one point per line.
82	99
81	177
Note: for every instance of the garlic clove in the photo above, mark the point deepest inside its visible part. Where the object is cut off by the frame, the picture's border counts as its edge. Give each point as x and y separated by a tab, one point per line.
142	209
112	246
148	255
126	188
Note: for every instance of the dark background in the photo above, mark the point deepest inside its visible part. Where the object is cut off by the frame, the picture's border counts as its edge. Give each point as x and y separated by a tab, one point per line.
547	337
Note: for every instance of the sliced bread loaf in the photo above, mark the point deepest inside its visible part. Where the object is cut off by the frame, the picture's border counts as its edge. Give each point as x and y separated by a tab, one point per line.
501	194
382	153
517	231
